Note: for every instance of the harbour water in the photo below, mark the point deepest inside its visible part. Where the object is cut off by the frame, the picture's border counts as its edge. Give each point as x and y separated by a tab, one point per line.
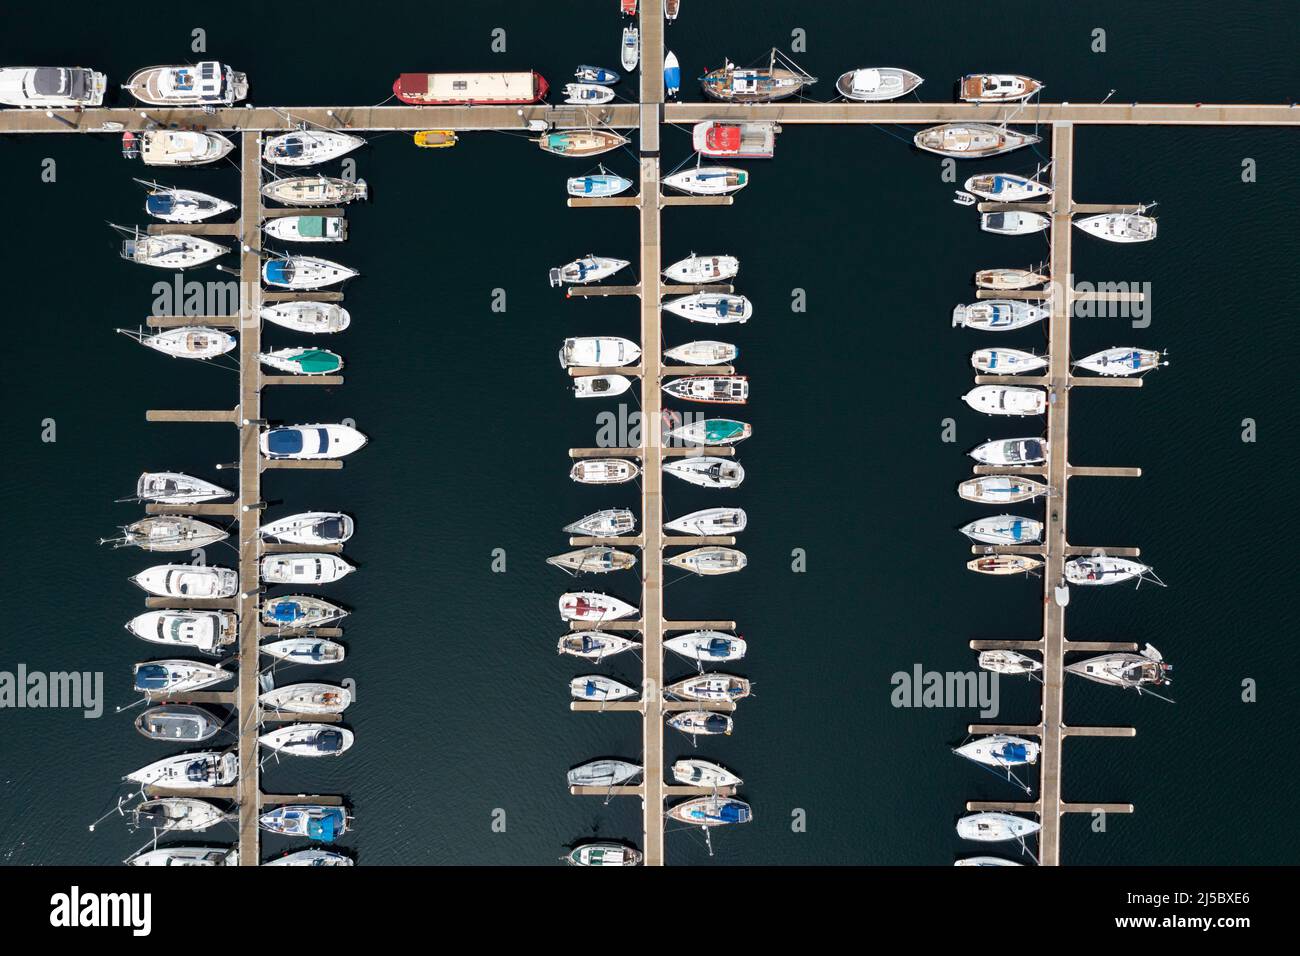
463	730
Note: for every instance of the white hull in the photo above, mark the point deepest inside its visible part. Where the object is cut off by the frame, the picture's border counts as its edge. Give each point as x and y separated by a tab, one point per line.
179	147
587	94
586	270
184	205
1007	400
631	48
202	770
710	646
311	442
1001	489
304	568
194	581
1004	530
1000	750
1008	662
177	676
1121	361
604	524
1008	279
307	698
1014	223
599	351
171	252
994	827
971	140
305	650
314	318
603	471
713	308
710	521
596	687
1119	227
309	740
1006	187
593	608
207	83
296	611
315	191
190	342
304	273
594	645
708	180
307	228
308	147
703	352
703	773
876	85
1103	570
310	528
186	856
600	386
1011	451
710	561
51	87
997	315
311	858
698	270
176	488
997	361
706	471
204	631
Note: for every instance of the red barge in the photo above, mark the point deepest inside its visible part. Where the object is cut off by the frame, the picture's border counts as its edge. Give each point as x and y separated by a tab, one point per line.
470	89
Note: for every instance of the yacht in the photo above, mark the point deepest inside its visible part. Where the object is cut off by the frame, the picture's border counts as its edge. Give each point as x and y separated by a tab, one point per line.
312	821
1009	278
603	773
877	84
314	568
1004	529
703	773
778	80
308	740
714	308
175	147
697	270
1125	669
1122	361
181	205
307	228
591	607
590	268
599	688
303	361
597	184
1011	451
596	559
310	528
994	826
172	251
207	84
1014	223
51	87
710	431
594	645
710	521
168	533
305	650
631	55
708	180
1007	187
711	811
314	318
603	471
176	488
695	723
307	698
1000	750
186	856
710	560
706	471
1001	489
307	147
718	139
599	351
1103	569
177	676
580	142
189	342
310	858
311	441
703	352
1004	564
600	386
971	140
998	315
710	687
995	361
207	631
304	272
587	94
712	389
603	854
1006	400
315	190
1119	227
604	524
176	813
300	610
997	87
178	722
1009	662
192	771
707	646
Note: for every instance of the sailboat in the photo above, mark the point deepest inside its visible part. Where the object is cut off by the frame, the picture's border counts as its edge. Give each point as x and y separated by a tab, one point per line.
710	560
697	270
709	522
310	529
1000	750
779	79
711	811
597	687
190	341
311	317
711	389
1007	187
590	606
710	687
1105	570
714	308
172	251
304	272
307	698
176	814
708	180
590	268
709	646
580	142
995	361
1001	489
596	559
299	611
693	772
1125	669
703	352
303	361
308	740
1009	278
998	315
603	183
1122	361
176	676
1004	529
603	854
307	147
604	524
695	723
711	431
315	190
971	140
181	205
305	650
602	773
1119	227
1009	662
1004	564
594	645
995	826
174	487
707	471
603	471
168	533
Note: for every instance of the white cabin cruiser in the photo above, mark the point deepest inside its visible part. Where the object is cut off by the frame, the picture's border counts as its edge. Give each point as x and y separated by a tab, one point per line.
1119	227
311	441
714	308
600	386
176	488
592	607
1011	451
709	646
697	270
877	84
305	316
997	315
310	528
594	645
604	524
603	471
599	351
207	84
307	147
307	228
1122	361
205	631
203	770
301	360
996	361
51	87
997	87
188	581
706	471
175	147
703	352
1001	489
1006	400
308	740
708	180
710	521
1007	187
590	268
1004	529
313	568
631	48
996	826
304	272
181	205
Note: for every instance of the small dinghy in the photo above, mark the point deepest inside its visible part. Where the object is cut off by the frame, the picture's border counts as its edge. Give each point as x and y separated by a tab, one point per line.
173	251
1001	489
603	183
703	352
1009	279
710	521
603	854
672	75
195	771
308	740
706	471
1014	223
175	147
186	856
596	687
168	533
604	524
590	268
600	386
304	568
313	318
194	581
593	608
307	442
300	610
671	9
315	191
710	646
697	270
178	722
631	55
877	84
714	308
1009	662
307	228
307	698
1007	187
1011	451
712	687
603	773
599	351
208	83
183	814
206	631
594	645
1004	529
996	87
310	820
708	180
711	431
603	471
1119	227
311	858
190	342
1125	669
307	147
1000	750
310	528
704	773
997	315
1002	564
435	138
711	811
587	94
1006	361
1006	400
177	488
971	140
1122	361
695	723
597	559
176	676
595	74
710	561
304	272
305	650
714	389
1104	570
996	826
580	142
181	205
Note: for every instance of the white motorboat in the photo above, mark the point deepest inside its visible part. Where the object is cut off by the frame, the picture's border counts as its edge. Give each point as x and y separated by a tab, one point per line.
1119	227
1014	223
604	471
600	386
698	270
631	55
168	533
311	441
305	650
304	272
308	740
712	687
994	826
971	140
877	84
307	228
1007	187
205	631
710	646
181	814
593	608
595	559
710	560
710	521
305	316
209	83
307	147
710	431
307	698
1122	361
706	471
315	190
189	342
604	524
704	773
315	568
995	361
599	351
193	771
1125	669
303	361
1011	451
603	773
1103	569
1000	750
171	251
176	676
590	268
195	581
695	723
996	87
587	94
176	488
603	854
181	205
295	611
51	87
1009	662
311	858
310	528
998	315
714	308
1001	489
708	180
1006	400
596	687
1009	278
703	352
186	856
175	147
594	645
711	389
1004	529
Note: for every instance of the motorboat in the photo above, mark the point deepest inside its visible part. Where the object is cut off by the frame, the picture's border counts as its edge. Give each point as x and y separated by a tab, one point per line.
779	79
590	268
984	861
710	687
307	147
998	315
711	811
587	94
995	361
178	722
671	9
193	771
310	528
604	524
188	814
1000	279
594	645
1003	564
997	87
603	854
672	75
707	180
710	560
993	826
1009	662
1103	570
304	272
599	351
706	471
595	74
314	318
208	83
1122	361
709	522
307	698
693	772
186	856
971	140
51	87
697	270
189	342
311	441
593	608
303	361
713	389
711	431
1000	750
192	581
1007	187
600	386
310	858
1119	227
708	646
168	533
597	184
305	650
719	139
603	773
310	820
173	251
308	740
695	723
175	147
177	676
877	84
604	471
1004	529
596	559
181	205
703	352
714	308
312	568
1125	669
1001	489
206	631
580	142
307	228
300	610
315	190
1011	451
435	138
1014	223
596	687
631	54
1006	400
177	488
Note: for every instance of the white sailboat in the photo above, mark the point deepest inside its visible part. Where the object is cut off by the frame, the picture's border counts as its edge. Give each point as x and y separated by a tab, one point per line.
307	147
710	522
998	315
706	471
1119	226
190	341
1122	361
1004	530
181	205
996	361
314	318
703	352
708	180
714	308
698	270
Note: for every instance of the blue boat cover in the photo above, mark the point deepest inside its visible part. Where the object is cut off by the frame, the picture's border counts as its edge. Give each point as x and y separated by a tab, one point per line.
285	611
284	441
1017	529
322	828
329	741
291	147
590	689
1014	753
718	647
278	270
159	204
151	677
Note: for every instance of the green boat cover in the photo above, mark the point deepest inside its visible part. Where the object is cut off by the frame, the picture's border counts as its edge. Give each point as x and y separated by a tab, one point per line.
318	361
311	227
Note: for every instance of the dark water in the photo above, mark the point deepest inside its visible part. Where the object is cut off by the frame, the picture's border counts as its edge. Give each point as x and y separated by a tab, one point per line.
461	707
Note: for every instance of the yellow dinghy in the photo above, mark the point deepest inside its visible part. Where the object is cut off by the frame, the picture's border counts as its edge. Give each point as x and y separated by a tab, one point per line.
435	138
